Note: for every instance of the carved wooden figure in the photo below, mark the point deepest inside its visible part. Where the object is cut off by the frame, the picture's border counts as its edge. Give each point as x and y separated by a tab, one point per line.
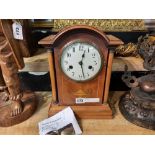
15	105
80	62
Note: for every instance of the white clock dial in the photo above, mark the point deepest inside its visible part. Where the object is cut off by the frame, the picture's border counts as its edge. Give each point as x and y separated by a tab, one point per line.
81	61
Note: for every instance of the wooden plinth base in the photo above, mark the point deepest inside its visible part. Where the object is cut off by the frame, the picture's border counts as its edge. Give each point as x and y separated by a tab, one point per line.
29	103
85	112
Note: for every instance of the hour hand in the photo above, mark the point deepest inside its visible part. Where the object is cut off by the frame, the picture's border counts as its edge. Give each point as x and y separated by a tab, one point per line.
83	55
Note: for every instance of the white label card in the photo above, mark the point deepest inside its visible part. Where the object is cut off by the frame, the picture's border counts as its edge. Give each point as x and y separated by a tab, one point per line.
86	100
58	121
17	31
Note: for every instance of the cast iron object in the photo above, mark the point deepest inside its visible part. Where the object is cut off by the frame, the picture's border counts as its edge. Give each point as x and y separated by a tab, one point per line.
146	49
138	105
136	114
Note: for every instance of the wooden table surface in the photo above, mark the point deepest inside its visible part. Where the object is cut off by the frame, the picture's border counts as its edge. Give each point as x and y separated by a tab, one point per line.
116	126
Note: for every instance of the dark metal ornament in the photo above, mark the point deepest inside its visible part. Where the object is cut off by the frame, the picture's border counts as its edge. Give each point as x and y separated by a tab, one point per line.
138	104
139	115
146	49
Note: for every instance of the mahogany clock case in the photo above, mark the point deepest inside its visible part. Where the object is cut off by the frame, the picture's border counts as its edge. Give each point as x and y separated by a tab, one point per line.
65	91
69	89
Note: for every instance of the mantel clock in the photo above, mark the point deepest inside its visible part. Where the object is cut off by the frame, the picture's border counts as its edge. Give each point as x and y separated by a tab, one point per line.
80	62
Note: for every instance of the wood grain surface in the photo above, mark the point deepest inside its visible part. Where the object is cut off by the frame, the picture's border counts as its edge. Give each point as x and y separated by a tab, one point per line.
116	126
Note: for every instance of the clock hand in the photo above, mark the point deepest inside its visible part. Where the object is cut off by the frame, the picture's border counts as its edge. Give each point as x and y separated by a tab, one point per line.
83	55
82	71
81	64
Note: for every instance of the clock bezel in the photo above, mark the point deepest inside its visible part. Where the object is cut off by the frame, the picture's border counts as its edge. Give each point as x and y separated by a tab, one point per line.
87	42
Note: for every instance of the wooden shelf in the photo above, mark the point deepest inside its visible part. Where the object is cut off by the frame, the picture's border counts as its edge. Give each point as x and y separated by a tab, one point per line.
36	63
133	63
39	63
116	126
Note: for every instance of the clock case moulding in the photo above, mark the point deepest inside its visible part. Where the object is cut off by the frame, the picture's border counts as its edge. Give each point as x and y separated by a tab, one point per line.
65	90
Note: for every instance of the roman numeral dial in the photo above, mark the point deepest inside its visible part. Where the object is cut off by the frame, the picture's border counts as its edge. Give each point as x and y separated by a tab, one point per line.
81	61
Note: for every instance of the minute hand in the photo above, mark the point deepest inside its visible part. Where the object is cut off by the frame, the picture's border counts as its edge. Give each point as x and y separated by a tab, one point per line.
81	64
82	70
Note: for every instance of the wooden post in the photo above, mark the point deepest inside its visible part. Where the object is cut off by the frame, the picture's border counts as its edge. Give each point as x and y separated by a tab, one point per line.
52	75
108	77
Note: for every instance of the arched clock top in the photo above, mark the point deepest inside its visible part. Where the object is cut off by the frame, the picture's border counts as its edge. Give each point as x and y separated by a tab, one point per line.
53	40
